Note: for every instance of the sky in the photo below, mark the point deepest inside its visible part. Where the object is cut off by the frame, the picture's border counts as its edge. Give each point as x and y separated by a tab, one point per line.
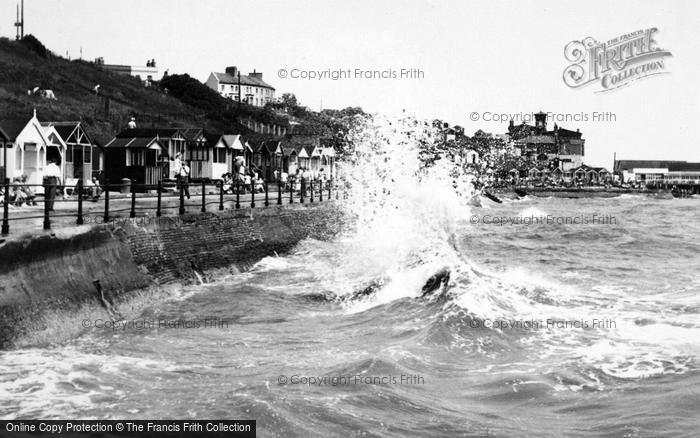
476	57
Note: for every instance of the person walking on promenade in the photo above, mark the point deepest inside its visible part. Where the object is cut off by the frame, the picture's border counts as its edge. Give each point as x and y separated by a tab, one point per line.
52	179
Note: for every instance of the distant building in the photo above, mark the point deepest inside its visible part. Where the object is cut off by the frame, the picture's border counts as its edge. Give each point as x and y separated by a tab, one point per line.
250	88
649	171
563	147
147	73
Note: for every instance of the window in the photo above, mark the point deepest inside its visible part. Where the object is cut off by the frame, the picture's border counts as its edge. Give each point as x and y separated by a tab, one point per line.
137	157
220	155
199	154
88	154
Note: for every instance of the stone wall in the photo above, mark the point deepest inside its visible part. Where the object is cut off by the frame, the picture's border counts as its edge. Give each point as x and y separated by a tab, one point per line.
49	273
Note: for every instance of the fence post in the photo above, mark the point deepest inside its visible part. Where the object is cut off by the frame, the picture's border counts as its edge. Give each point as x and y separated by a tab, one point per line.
47	221
336	192
182	198
204	197
279	192
106	216
252	193
330	183
6	209
80	202
267	198
238	194
303	189
221	196
132	212
311	191
291	193
320	191
160	190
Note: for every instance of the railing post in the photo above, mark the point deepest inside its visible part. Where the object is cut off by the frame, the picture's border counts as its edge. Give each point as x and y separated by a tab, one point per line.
204	197
320	191
80	221
291	193
132	212
221	196
47	221
106	216
311	191
238	195
279	192
303	189
6	209
252	193
160	190
267	198
182	198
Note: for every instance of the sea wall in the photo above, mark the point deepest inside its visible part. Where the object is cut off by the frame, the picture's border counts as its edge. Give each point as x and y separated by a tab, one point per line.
47	273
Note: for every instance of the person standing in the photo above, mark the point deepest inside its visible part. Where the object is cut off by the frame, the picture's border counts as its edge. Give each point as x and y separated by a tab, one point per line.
52	179
185	178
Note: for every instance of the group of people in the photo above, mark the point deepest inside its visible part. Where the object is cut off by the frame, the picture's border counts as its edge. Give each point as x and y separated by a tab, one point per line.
20	193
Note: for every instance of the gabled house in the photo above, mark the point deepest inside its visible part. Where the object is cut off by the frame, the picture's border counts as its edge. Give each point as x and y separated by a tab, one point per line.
250	88
137	154
81	150
28	147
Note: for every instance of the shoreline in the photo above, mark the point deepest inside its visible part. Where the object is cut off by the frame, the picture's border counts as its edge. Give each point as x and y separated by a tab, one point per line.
586	192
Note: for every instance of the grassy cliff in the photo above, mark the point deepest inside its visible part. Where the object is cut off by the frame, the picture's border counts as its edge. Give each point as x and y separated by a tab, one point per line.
27	64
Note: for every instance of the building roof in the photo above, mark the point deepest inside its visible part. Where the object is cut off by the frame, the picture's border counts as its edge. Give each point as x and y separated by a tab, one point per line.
234	141
643	164
149	132
225	78
13	127
132	143
67	129
191	134
683	167
542	139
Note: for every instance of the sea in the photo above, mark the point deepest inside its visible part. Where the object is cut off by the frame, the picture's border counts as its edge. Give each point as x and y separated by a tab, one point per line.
561	317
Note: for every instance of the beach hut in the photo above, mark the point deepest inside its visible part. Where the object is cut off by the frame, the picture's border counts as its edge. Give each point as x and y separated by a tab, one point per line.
4	143
28	147
234	142
198	153
221	156
138	155
328	162
81	150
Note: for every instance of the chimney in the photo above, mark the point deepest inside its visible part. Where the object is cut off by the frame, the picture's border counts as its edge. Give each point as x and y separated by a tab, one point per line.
233	71
255	74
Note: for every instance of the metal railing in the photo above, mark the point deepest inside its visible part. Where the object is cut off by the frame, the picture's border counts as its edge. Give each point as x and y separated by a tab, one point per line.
111	201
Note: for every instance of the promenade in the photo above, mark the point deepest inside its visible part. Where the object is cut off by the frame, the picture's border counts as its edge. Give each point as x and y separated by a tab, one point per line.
70	215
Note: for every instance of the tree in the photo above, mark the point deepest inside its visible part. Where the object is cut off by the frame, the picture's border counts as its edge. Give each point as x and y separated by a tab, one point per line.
289	100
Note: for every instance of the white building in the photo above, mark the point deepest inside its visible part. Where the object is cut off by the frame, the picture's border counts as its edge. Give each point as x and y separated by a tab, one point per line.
250	88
